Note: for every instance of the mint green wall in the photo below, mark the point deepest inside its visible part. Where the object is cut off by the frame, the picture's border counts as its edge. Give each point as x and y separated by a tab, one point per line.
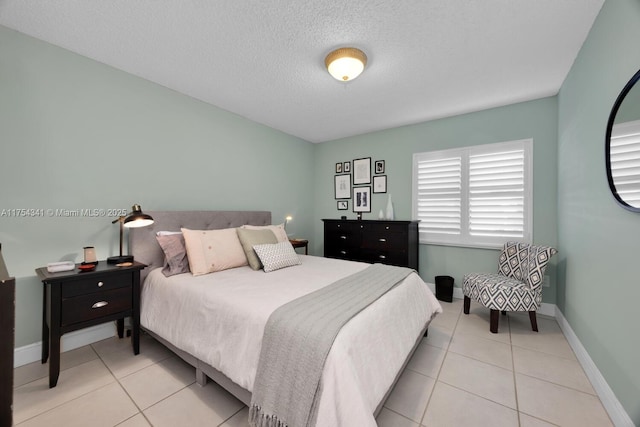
630	108
599	284
75	133
534	119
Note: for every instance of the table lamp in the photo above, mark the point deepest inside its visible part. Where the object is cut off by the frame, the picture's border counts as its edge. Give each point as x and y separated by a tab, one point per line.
135	219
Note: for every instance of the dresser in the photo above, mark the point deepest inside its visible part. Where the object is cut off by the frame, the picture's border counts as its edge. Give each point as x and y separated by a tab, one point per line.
387	242
75	300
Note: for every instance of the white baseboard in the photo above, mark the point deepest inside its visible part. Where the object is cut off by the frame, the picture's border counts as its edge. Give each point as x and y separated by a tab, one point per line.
616	412
33	352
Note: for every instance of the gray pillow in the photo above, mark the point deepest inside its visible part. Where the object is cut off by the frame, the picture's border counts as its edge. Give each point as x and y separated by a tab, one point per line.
250	238
175	254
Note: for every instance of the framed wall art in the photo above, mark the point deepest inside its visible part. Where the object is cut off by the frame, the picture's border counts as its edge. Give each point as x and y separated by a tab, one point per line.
362	171
338	167
362	199
343	205
380	184
346	167
342	186
379	168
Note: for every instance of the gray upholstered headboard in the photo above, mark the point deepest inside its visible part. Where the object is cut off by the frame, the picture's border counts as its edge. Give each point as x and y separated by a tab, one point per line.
145	248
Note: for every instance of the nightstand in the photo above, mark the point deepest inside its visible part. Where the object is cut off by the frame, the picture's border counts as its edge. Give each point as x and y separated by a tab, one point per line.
76	299
300	243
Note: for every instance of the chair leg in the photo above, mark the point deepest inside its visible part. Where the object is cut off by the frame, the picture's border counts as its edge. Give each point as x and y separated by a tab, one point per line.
534	322
495	318
467	304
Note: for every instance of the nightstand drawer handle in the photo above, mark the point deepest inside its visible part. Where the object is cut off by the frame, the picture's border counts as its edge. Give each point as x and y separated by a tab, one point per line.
343	237
100	284
343	252
382	240
99	304
382	257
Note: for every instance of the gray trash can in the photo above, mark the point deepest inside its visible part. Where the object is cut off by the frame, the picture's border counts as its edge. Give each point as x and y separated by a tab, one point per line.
444	288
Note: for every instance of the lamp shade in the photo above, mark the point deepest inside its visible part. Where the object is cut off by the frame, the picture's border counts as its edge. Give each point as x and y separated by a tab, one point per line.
346	63
137	218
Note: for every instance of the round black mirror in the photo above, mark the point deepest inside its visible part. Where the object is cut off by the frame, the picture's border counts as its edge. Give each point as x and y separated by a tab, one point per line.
622	146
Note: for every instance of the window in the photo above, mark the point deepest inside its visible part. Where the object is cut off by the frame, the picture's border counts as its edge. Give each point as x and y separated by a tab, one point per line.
478	196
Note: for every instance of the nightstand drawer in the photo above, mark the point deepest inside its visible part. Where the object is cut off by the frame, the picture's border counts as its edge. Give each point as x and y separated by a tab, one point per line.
92	306
96	283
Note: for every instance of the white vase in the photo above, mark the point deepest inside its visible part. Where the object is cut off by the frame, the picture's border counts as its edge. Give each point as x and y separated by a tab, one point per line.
389	208
381	214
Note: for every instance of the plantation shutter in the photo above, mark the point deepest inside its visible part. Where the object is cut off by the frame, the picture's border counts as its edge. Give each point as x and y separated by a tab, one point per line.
479	196
439	187
496	194
625	161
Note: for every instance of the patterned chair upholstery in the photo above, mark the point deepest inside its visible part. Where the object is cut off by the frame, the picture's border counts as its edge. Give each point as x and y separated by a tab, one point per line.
517	286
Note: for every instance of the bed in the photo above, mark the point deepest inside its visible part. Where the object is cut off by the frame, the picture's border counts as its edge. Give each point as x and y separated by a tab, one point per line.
216	321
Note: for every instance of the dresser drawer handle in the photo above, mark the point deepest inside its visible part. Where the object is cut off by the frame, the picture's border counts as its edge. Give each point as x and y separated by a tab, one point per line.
343	237
100	284
382	240
99	304
343	252
382	257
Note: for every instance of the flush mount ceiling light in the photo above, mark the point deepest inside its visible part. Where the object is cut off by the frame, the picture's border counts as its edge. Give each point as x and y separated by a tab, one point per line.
346	63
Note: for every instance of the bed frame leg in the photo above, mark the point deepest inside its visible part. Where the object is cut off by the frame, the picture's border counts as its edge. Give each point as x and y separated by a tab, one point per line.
201	378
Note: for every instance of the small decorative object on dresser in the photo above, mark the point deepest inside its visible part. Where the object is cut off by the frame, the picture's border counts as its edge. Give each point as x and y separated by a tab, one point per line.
390	214
76	300
387	242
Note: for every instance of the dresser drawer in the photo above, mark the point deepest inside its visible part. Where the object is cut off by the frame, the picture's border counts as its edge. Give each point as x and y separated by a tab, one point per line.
96	283
342	253
379	239
385	227
92	306
385	257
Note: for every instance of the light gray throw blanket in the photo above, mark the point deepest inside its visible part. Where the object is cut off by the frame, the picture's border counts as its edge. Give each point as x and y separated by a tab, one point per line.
297	340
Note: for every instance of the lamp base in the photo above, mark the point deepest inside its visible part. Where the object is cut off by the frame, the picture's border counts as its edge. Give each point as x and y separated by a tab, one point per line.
118	259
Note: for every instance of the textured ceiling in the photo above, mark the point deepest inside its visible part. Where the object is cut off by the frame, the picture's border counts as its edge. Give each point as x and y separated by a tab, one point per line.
264	60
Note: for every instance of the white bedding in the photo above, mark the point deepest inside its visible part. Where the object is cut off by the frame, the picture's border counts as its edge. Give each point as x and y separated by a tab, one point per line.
219	318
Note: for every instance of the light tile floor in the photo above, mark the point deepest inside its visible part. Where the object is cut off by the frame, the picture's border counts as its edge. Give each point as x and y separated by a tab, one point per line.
461	375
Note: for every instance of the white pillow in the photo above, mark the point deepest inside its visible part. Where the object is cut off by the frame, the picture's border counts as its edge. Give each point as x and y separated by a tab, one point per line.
278	230
213	250
277	255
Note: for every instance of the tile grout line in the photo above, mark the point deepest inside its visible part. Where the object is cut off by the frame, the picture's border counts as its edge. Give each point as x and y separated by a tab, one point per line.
446	352
513	369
